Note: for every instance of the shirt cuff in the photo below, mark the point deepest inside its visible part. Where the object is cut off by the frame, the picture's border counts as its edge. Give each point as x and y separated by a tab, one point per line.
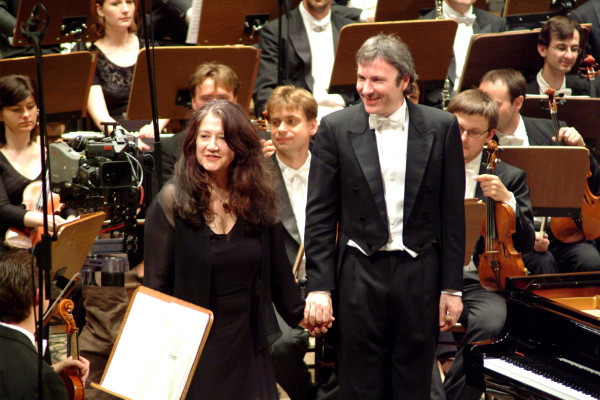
321	292
452	292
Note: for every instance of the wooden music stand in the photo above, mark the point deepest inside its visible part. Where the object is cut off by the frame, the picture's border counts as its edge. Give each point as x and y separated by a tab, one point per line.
64	15
556	177
225	22
475	211
515	49
393	10
174	65
157	349
520	7
578	112
73	244
75	69
430	43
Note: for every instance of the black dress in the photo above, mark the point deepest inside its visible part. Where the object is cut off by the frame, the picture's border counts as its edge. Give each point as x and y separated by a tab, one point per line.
238	276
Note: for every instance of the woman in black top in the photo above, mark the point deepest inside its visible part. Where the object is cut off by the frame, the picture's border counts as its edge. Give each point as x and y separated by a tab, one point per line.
20	159
213	239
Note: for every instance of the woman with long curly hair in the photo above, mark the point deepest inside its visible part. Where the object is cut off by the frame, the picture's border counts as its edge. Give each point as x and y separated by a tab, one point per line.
212	238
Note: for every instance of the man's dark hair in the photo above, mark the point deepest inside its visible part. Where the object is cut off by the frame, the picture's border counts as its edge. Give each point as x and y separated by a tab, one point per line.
514	81
560	27
17	285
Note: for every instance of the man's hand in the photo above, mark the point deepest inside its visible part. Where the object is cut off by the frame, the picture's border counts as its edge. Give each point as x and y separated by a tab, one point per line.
541	242
493	188
571	137
318	313
450	309
268	148
82	365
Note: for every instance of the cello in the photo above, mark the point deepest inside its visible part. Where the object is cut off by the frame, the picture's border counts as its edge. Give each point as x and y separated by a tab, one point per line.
500	259
70	376
587	225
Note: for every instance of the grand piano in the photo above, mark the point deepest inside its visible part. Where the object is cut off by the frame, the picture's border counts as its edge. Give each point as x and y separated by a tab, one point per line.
551	348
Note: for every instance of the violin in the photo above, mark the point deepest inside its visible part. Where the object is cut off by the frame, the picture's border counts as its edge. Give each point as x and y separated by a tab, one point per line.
500	259
586	226
70	376
33	201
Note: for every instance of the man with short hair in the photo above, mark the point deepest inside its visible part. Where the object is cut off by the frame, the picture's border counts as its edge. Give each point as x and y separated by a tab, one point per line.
385	229
559	46
484	313
293	117
507	87
209	82
18	347
314	29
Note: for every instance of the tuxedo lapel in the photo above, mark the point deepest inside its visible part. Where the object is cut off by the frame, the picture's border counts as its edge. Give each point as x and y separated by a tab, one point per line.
364	144
419	146
299	39
286	212
481	24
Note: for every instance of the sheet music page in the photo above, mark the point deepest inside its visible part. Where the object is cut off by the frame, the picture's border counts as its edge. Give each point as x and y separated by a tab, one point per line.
156	350
194	27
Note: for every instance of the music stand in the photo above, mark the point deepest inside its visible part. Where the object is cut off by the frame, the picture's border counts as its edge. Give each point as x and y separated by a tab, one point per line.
75	68
475	211
74	24
571	110
430	43
393	10
172	87
73	244
556	177
515	49
225	22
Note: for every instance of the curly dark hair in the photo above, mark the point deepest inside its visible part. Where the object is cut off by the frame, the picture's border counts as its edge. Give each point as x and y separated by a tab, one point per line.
252	196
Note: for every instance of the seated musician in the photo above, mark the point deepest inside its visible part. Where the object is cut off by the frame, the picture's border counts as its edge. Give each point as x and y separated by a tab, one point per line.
293	115
471	20
20	158
209	82
559	45
484	312
507	87
18	312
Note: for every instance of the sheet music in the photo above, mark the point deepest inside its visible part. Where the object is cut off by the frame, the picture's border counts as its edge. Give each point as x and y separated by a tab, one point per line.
194	27
156	350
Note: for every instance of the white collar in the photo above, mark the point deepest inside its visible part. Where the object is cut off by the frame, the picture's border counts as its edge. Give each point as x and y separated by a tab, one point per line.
400	116
310	22
473	166
24	331
467	18
285	168
544	85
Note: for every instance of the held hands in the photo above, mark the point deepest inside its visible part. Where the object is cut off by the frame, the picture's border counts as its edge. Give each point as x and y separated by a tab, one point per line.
571	137
318	313
450	309
493	188
268	148
541	242
82	365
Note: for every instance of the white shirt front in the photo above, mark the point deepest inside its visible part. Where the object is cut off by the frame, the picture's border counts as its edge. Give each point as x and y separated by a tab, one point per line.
563	89
517	138
296	183
320	39
462	38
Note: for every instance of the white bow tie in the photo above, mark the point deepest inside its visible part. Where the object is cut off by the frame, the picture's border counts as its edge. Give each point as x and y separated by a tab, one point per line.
468	20
378	122
319	25
296	174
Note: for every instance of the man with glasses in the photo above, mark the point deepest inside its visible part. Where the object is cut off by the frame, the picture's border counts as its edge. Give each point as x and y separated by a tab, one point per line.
559	45
484	312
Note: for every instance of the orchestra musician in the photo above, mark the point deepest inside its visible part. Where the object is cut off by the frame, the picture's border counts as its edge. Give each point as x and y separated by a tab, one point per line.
118	49
20	158
484	311
209	82
18	312
559	45
213	238
508	88
293	119
386	256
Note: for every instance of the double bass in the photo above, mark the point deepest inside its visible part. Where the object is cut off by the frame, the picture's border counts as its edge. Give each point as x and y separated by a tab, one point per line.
587	225
70	376
500	259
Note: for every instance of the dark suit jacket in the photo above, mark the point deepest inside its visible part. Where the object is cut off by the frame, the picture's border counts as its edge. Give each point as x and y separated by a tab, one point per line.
171	151
579	86
291	236
345	186
590	13
168	19
484	23
19	370
514	180
298	56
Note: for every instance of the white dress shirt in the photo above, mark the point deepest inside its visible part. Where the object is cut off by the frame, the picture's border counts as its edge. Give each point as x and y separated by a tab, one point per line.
320	39
296	183
517	138
544	85
463	36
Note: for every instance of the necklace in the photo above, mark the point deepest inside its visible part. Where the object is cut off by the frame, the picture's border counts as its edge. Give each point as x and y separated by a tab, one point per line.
222	200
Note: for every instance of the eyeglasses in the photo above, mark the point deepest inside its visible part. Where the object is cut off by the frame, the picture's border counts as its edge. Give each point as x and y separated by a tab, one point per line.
471	133
563	49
